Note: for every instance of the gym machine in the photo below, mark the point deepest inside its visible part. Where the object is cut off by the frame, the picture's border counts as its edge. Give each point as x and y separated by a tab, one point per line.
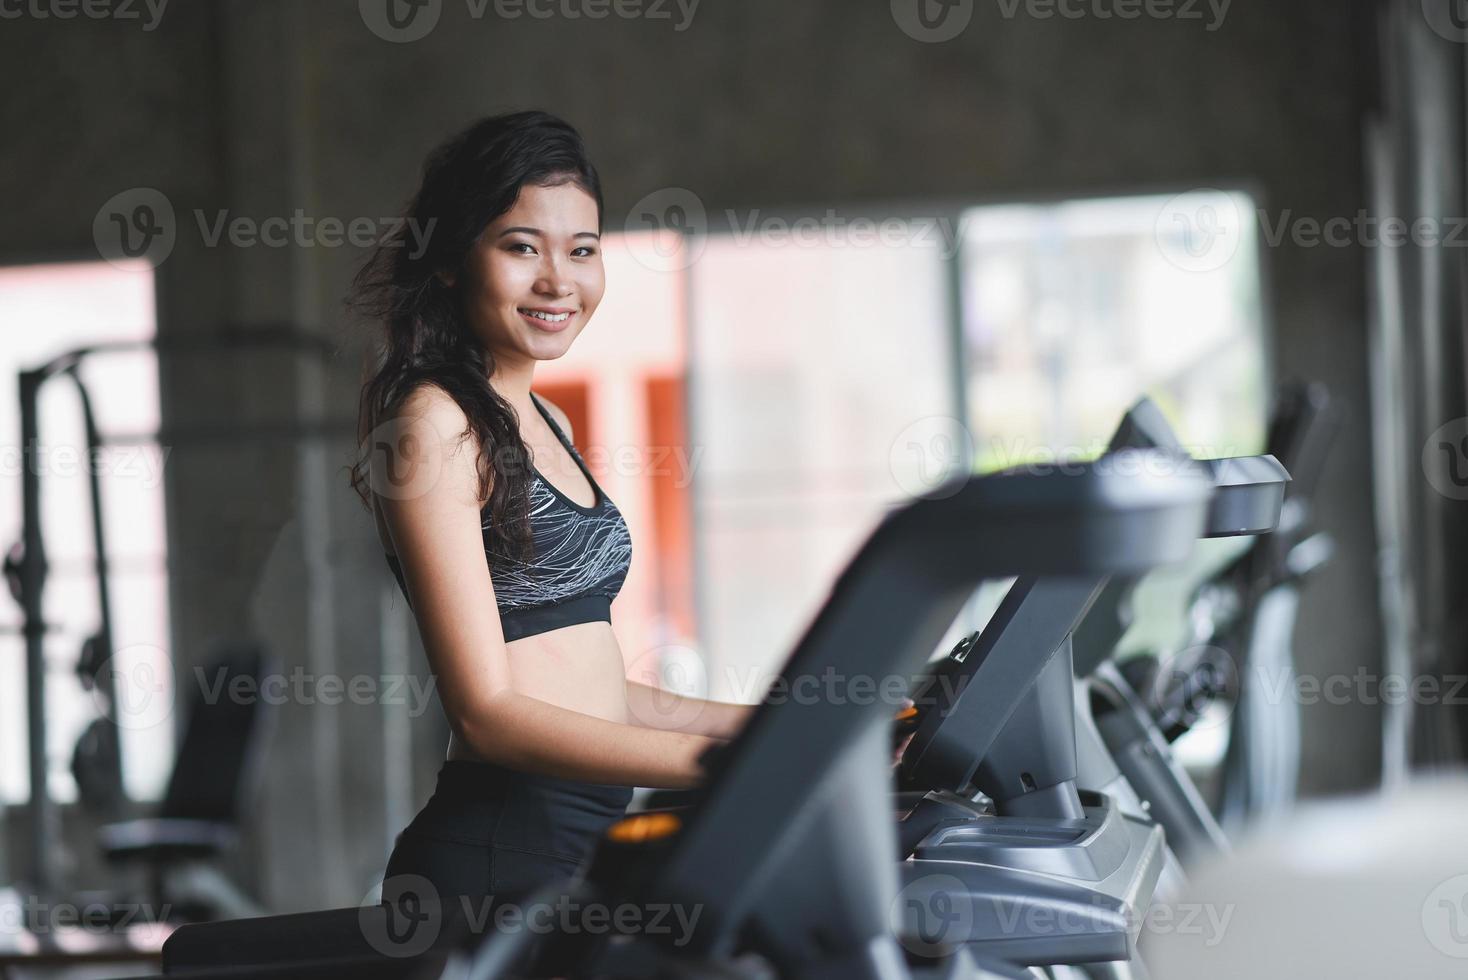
787	852
1033	827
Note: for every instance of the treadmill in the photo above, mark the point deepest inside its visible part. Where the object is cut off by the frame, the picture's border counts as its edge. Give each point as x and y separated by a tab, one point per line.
1025	826
787	852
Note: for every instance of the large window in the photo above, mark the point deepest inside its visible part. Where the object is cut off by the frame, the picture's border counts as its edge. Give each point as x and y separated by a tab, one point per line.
831	377
46	310
1072	310
811	365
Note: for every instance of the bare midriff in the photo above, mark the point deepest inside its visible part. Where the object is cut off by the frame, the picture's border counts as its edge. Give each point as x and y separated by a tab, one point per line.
578	667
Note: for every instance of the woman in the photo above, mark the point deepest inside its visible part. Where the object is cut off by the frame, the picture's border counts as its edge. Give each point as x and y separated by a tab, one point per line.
507	550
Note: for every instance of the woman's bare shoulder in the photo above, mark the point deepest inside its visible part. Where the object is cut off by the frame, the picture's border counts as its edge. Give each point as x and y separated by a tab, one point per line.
423	456
430	404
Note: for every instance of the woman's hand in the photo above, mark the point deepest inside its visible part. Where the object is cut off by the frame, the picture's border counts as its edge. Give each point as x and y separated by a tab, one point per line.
897	753
897	756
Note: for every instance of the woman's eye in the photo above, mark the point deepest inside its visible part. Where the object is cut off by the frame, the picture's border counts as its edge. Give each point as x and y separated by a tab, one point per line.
525	248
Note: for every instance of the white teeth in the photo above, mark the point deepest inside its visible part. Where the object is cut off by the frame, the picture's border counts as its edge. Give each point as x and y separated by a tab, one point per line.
552	317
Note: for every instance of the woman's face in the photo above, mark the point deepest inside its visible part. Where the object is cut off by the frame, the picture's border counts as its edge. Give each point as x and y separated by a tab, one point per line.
535	276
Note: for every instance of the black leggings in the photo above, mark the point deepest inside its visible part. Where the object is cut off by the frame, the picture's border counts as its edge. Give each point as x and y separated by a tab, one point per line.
489	831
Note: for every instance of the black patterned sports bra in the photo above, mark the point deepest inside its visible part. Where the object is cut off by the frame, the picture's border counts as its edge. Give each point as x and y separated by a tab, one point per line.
581	557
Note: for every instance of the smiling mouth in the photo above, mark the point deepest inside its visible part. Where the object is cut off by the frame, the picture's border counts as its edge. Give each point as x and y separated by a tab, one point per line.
546	316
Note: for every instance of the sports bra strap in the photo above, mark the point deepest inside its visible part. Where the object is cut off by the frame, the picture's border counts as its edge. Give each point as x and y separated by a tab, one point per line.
555	427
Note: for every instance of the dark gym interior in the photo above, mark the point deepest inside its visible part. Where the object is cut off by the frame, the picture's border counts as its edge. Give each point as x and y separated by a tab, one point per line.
1062	175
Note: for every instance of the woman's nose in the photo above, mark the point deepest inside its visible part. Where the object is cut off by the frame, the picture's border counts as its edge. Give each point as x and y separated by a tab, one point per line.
553	280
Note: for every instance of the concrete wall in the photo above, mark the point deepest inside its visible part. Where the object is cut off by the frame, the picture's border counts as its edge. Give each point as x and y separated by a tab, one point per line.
265	106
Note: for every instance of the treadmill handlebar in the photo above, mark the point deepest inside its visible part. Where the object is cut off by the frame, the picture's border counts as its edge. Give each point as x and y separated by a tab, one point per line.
956	732
1248	495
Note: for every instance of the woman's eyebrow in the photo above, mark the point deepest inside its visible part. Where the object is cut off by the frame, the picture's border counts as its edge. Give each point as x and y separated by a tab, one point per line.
519	230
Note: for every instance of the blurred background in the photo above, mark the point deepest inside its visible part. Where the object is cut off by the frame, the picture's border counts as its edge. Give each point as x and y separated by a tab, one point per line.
849	247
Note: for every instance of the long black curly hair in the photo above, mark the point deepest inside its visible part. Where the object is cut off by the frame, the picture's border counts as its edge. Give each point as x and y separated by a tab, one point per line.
468	181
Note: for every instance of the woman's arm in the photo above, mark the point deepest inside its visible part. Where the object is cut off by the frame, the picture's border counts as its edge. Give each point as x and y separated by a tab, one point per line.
653	707
429	497
525	733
